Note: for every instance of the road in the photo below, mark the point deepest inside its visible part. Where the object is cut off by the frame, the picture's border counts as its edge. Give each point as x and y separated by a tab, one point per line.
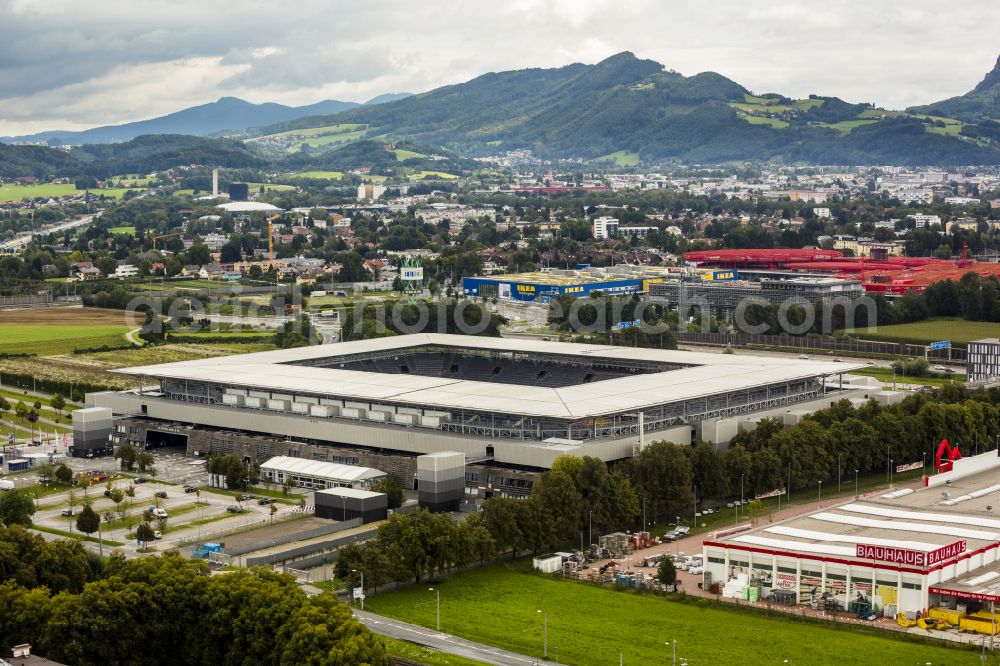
445	642
21	241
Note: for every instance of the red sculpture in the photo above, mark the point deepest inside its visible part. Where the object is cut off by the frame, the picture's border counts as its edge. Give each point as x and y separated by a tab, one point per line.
953	454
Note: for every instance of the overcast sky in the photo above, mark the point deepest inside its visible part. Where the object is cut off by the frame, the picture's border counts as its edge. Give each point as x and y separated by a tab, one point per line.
67	64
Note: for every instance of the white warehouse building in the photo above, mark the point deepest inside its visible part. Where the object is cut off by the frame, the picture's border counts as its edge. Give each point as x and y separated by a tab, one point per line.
906	550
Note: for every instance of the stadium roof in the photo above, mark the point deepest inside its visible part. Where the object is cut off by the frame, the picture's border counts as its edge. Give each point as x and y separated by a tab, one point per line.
321	469
249	207
707	374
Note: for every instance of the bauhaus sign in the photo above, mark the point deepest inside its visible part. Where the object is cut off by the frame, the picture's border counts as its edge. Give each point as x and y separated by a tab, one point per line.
912	557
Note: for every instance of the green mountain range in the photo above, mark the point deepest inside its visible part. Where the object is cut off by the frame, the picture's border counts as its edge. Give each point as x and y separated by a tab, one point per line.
622	111
626	108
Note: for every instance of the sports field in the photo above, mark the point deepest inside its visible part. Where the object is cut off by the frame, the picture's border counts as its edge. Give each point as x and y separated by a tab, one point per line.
591	625
931	330
49	331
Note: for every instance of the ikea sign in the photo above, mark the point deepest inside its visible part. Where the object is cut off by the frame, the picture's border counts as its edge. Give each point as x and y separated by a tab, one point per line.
720	276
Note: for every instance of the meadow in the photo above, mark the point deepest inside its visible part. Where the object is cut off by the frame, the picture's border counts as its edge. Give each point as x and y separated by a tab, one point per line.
930	330
620	158
589	625
15	192
49	331
317	175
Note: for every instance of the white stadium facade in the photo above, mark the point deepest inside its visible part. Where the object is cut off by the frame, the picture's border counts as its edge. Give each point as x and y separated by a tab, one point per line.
509	403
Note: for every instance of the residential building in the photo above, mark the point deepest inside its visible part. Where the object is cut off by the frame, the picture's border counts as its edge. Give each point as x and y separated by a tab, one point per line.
983	360
605	227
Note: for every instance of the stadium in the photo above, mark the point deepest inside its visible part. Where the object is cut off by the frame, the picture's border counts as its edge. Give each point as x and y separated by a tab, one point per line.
506	402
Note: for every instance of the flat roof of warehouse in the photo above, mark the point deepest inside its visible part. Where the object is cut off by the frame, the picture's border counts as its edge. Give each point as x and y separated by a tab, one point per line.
922	520
703	375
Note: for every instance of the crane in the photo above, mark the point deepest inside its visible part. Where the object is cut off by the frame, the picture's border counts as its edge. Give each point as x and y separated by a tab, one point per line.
270	238
153	238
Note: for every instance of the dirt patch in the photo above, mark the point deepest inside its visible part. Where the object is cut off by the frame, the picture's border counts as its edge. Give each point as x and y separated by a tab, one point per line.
71	316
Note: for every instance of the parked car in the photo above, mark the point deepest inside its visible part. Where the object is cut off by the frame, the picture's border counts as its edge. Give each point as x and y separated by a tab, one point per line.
107	492
157	534
68	513
697	570
141	479
263	501
190	489
939	368
158	512
162	493
803	357
246	498
234	508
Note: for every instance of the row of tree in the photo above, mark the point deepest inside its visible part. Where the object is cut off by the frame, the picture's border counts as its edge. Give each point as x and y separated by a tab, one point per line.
167	610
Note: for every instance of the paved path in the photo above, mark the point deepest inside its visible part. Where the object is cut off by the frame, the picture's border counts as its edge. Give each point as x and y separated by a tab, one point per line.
445	642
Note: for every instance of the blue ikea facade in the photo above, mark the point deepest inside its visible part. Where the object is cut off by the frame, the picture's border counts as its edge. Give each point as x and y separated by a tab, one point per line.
508	289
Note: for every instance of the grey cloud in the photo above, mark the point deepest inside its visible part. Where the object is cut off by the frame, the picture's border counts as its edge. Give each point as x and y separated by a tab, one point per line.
62	61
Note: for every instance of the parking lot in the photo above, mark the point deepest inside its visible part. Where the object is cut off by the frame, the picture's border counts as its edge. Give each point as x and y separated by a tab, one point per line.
202	512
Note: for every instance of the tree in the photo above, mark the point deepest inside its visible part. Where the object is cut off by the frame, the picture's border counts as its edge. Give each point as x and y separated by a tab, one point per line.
754	509
389	487
666	571
144	533
16	508
64	475
127	455
58	402
88	521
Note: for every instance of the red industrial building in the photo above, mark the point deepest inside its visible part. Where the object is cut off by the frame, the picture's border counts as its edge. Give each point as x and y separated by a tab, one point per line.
889	275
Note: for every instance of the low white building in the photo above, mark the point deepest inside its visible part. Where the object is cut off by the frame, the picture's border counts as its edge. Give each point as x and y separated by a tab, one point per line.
317	474
125	271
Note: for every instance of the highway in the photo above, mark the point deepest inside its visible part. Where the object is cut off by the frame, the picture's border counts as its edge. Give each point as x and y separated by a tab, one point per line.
21	241
445	642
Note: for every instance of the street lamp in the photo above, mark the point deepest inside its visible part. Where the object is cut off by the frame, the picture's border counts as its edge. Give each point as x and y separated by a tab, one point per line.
673	652
891	463
855	484
819	499
438	593
362	586
839	457
545	634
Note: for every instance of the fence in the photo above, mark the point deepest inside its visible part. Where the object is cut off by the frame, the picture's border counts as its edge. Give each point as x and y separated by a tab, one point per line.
318	549
868	347
245	526
297	536
44	298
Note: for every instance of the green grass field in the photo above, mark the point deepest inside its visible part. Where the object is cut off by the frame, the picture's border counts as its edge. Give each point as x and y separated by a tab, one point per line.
622	158
433	174
885	375
318	175
949	129
762	108
122	230
846	126
318	136
776	123
48	340
14	192
589	625
931	330
403	154
878	113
